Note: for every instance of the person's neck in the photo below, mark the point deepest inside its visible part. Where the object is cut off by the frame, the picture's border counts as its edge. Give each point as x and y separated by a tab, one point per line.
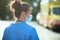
21	19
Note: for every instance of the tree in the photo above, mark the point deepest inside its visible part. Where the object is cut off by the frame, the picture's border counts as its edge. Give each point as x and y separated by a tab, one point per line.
5	10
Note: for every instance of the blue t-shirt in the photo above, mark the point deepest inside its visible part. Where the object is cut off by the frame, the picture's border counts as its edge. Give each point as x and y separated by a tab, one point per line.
20	31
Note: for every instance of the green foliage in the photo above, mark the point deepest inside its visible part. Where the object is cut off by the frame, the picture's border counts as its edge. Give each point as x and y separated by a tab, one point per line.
5	11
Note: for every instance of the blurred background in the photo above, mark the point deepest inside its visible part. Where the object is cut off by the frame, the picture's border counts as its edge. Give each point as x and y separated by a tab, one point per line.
46	18
5	13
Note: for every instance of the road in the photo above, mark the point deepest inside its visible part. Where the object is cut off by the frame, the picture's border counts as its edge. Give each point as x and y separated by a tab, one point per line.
43	33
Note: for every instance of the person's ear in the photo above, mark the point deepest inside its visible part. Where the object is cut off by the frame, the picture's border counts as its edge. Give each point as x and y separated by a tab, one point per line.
23	14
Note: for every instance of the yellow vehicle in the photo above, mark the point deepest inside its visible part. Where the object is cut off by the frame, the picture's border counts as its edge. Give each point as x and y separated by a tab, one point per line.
50	13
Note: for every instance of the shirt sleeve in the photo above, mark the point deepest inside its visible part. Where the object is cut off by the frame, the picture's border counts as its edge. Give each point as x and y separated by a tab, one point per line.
5	35
34	35
8	34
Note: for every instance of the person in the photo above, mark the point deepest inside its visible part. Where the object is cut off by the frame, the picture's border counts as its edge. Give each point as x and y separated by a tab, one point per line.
20	30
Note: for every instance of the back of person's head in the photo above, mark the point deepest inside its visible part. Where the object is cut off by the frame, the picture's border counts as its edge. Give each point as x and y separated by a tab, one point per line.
18	6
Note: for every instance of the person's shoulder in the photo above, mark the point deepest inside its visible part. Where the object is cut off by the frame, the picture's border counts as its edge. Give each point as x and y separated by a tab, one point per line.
9	27
30	27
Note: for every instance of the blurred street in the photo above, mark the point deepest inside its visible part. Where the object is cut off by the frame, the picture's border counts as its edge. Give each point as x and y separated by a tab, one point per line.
43	33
